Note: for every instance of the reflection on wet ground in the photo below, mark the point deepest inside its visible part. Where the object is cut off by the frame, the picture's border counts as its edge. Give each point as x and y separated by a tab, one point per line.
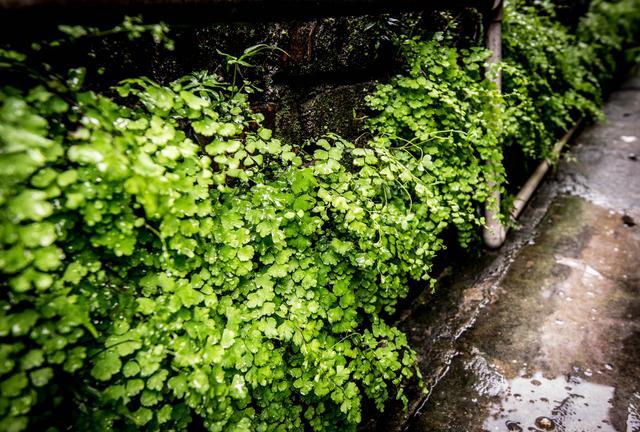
538	403
556	347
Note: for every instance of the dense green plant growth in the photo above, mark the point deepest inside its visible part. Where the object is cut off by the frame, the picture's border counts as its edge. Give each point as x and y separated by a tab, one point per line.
442	122
172	260
552	77
169	264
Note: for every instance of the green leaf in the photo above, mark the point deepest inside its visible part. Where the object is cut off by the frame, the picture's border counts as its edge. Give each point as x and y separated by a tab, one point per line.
131	368
21	323
32	359
193	101
30	205
179	385
245	253
134	387
218	147
228	337
228	130
37	234
265	133
146	306
156	382
41	377
13	386
107	364
142	416
198	381
238	389
206	127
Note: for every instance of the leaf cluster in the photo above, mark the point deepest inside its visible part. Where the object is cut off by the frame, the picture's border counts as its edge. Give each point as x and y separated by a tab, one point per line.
169	264
176	263
552	77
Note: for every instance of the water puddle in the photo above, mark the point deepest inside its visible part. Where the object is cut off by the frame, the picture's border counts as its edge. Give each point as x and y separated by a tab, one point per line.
540	404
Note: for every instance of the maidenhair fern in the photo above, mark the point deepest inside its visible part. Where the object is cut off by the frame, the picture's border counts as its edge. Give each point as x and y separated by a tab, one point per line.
169	264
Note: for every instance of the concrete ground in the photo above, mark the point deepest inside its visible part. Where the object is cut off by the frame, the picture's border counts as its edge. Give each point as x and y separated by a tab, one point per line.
547	334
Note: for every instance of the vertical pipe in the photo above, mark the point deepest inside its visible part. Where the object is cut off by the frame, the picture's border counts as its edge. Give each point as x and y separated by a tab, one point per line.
494	232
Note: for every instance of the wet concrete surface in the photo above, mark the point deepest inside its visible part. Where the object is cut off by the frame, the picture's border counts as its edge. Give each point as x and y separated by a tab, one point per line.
546	335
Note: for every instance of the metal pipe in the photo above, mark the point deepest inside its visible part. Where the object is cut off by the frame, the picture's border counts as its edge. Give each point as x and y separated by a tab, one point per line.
532	184
494	232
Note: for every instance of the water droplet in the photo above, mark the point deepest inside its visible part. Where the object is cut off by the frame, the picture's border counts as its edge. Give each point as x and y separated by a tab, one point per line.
545	423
